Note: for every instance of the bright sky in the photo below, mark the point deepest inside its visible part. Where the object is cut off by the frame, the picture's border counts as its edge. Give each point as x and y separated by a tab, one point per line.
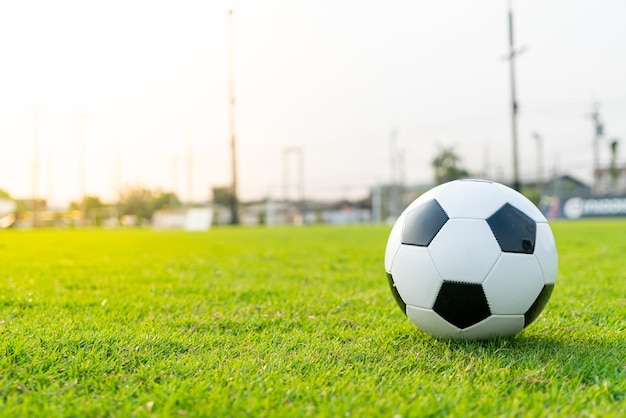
331	77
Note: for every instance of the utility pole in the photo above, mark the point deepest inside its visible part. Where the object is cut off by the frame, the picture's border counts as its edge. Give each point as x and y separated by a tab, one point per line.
514	108
300	173
118	172
174	181
393	179
376	203
598	131
49	175
83	140
189	168
234	202
35	166
613	170
540	178
118	179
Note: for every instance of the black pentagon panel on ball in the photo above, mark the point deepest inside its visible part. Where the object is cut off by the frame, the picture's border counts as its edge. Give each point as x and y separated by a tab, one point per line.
538	305
462	304
423	223
396	295
514	230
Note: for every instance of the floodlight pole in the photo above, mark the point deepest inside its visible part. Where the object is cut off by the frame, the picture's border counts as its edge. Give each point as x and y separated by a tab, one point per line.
234	202
118	179
539	140
118	172
393	179
613	166
514	107
83	135
174	180
189	168
35	166
49	174
300	173
598	129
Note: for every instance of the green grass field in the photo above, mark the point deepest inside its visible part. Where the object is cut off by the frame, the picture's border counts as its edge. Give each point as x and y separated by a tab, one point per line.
288	322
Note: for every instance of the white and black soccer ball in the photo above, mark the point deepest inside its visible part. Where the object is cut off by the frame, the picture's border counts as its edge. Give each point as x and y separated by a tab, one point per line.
471	259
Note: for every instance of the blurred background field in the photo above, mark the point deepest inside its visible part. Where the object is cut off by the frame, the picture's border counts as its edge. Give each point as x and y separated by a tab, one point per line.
287	322
272	113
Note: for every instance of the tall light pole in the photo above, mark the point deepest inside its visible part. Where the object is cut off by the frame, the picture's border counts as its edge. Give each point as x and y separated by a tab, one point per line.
393	207
35	165
613	171
82	175
49	175
300	173
174	180
117	169
189	168
540	179
234	202
598	131
514	108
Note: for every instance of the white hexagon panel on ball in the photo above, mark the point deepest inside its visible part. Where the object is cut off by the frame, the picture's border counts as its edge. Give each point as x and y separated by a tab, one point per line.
513	284
415	276
464	250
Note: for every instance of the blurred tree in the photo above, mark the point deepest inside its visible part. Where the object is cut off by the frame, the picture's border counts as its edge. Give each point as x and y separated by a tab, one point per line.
143	202
88	203
4	194
135	200
222	196
92	208
613	168
447	166
161	200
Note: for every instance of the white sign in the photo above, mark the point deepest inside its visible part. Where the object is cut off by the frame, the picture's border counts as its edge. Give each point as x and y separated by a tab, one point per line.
6	206
7	215
577	207
198	219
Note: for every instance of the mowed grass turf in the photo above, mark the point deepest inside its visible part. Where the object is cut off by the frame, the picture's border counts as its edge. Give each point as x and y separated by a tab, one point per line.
288	322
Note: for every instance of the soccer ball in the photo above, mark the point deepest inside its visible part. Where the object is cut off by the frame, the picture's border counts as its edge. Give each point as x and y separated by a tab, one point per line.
471	259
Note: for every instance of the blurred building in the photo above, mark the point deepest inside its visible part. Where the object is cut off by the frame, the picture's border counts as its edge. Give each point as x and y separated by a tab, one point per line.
565	186
7	213
611	181
189	219
567	197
